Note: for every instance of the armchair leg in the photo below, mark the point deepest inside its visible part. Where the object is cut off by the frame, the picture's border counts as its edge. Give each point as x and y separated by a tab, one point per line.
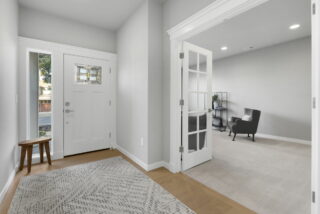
253	138
230	133
234	136
248	135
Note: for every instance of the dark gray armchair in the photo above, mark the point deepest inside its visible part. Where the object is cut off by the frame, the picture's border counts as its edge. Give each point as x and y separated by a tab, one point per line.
239	126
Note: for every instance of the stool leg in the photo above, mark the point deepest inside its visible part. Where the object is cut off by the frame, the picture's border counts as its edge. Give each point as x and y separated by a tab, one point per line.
22	157
46	146
41	152
29	158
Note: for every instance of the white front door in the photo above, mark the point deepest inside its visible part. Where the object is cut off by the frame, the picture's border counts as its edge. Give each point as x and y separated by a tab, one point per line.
197	93
87	105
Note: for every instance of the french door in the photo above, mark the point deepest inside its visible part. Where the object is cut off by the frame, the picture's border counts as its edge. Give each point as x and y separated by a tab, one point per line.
87	105
196	116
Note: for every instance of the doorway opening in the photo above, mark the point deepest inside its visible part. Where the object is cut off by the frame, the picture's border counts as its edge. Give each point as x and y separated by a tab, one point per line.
40	96
253	56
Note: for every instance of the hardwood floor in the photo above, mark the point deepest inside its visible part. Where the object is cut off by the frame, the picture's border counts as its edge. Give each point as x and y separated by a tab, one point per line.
192	193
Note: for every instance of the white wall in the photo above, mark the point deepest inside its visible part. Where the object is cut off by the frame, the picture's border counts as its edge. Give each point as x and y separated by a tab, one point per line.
174	12
155	81
8	90
38	25
275	80
132	94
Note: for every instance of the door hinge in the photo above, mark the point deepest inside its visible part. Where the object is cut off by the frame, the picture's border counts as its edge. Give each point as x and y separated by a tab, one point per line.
314	8
109	134
109	102
110	70
314	103
181	149
181	55
182	102
313	197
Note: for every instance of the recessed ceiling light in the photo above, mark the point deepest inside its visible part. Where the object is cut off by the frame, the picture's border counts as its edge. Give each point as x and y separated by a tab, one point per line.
224	48
294	27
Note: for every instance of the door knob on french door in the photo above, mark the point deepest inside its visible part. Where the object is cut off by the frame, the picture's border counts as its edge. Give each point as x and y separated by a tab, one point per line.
68	111
209	110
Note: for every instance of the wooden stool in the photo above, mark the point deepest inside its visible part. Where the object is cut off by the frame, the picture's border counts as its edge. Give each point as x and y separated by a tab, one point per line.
27	146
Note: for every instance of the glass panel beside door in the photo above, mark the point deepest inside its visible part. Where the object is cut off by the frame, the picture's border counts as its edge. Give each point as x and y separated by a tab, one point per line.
40	96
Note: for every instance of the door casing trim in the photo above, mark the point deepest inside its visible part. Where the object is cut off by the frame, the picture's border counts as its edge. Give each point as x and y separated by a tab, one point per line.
57	52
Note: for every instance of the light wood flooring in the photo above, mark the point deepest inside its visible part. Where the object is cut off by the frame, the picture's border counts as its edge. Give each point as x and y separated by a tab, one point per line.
195	195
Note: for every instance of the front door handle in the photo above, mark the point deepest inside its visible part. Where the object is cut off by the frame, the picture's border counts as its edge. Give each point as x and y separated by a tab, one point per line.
210	110
68	111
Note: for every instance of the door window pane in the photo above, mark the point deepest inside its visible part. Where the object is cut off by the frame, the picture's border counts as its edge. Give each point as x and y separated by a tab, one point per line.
193	60
193	102
203	122
193	81
203	63
203	82
202	140
202	101
87	74
192	143
192	123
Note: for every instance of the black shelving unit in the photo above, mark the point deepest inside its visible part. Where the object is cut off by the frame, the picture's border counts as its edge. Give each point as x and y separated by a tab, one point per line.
220	111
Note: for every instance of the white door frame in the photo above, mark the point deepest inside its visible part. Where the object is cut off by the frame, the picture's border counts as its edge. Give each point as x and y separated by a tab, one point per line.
213	15
57	52
315	177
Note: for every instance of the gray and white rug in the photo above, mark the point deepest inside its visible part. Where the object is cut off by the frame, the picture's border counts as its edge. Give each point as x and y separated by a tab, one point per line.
107	186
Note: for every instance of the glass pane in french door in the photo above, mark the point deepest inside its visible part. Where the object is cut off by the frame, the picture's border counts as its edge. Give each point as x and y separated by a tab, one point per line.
192	143
193	122
203	63
202	140
193	60
203	82
197	102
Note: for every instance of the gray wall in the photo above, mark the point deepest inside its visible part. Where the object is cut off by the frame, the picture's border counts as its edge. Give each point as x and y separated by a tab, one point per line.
155	82
140	83
132	93
174	11
8	88
275	80
37	25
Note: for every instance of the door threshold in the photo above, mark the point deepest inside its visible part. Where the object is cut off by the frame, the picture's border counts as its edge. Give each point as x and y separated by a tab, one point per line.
86	152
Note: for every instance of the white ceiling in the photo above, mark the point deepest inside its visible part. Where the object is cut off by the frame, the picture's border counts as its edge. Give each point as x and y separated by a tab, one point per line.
260	27
109	14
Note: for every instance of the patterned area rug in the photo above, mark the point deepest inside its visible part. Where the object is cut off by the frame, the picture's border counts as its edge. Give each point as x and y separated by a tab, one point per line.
107	186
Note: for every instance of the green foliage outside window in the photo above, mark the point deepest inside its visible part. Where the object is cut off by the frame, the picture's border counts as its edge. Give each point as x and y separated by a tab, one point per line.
45	67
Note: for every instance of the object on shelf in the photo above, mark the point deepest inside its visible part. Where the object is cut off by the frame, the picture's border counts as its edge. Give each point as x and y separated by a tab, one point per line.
220	110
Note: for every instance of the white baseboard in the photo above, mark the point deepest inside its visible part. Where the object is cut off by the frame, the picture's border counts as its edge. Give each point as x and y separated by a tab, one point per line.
286	139
145	166
8	184
133	157
169	167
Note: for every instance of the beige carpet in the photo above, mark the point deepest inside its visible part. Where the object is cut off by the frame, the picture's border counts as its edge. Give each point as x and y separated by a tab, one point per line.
267	176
